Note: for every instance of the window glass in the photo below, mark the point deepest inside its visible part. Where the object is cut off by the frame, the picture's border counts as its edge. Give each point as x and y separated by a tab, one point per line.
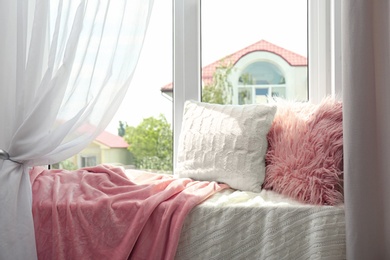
140	134
255	49
87	161
261	73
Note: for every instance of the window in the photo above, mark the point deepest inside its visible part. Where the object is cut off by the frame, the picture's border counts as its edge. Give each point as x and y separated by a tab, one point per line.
323	54
263	79
255	75
264	53
259	80
144	107
261	73
87	161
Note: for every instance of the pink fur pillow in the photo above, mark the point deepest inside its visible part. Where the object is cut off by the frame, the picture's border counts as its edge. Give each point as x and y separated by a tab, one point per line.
305	152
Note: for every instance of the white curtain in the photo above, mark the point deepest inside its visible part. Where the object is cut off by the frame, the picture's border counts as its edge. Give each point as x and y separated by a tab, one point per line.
366	92
64	69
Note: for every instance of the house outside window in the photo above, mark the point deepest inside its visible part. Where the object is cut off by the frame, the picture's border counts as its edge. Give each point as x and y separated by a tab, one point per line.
260	71
107	148
262	74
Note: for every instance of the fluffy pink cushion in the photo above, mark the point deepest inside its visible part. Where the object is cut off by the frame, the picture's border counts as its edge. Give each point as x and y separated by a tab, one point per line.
305	153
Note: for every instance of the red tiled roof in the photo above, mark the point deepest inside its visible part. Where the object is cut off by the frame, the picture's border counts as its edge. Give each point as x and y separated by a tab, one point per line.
167	88
292	58
111	140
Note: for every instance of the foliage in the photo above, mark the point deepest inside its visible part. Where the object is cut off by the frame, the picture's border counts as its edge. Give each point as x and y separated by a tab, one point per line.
66	165
151	143
122	128
246	79
245	94
219	91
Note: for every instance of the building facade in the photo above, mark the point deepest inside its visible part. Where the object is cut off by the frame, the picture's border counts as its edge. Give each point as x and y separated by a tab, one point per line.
260	71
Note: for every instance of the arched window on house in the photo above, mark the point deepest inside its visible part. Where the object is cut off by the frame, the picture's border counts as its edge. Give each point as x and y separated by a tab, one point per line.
260	80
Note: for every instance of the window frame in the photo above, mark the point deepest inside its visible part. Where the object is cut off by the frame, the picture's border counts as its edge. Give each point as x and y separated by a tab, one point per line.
85	160
324	49
324	55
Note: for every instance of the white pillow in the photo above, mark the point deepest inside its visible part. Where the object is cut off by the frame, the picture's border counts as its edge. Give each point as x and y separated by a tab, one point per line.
225	143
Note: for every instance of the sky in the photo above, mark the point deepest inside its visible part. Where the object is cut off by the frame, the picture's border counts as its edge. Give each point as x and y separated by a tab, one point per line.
227	26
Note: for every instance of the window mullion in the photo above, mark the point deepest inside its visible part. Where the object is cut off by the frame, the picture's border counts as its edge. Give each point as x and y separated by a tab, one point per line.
336	48
320	61
186	55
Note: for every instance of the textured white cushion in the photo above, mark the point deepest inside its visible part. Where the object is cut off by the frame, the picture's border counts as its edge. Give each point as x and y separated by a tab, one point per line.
225	143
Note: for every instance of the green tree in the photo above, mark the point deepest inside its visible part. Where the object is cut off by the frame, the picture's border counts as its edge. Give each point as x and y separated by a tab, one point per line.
66	164
245	94
122	128
151	143
219	91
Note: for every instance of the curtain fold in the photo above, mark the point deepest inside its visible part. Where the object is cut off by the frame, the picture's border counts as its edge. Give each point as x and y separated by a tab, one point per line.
65	67
366	94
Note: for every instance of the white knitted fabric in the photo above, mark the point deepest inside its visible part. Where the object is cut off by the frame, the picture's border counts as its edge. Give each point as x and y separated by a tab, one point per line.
245	225
225	143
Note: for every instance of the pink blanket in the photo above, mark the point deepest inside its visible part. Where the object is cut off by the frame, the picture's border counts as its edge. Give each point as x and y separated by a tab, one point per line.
98	213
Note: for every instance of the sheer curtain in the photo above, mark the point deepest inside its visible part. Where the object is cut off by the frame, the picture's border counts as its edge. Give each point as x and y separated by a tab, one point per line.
366	92
64	69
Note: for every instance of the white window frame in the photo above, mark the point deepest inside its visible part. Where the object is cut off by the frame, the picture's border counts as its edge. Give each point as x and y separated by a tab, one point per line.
186	61
324	33
323	44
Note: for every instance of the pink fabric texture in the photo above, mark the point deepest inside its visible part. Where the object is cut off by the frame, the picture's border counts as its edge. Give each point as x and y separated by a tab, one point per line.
98	213
305	153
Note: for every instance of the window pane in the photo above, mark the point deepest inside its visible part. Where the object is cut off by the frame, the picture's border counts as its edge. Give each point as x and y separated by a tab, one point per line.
143	122
253	50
